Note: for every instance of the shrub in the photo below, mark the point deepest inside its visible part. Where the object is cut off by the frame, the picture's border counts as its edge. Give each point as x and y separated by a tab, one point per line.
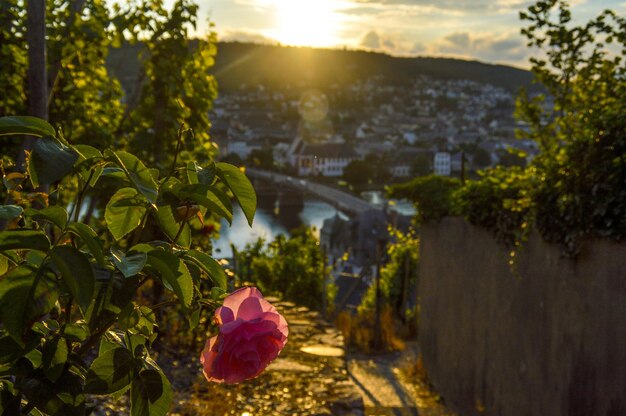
73	321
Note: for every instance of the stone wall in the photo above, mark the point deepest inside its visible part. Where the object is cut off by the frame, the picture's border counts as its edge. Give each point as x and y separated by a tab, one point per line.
546	340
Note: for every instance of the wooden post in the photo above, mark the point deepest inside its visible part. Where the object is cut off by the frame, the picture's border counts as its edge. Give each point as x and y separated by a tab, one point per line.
463	167
377	328
324	282
404	295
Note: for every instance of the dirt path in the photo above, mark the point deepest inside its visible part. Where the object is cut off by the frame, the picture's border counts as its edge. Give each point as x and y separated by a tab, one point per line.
377	379
386	391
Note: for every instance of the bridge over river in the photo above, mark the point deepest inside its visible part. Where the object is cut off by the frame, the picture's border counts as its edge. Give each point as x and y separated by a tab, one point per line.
343	201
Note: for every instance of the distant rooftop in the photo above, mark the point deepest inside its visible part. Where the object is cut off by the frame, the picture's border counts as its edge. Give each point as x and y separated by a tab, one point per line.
328	150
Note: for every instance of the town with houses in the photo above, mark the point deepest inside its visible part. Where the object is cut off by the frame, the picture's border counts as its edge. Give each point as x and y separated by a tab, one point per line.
422	126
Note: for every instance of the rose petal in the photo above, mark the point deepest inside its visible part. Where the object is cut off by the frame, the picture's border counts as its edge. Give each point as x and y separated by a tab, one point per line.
250	309
207	358
224	315
235	299
279	321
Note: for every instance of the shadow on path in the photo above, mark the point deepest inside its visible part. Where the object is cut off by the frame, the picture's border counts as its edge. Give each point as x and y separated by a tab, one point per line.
383	394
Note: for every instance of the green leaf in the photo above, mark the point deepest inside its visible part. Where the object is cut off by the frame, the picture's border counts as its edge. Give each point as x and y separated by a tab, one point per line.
111	371
10	212
31	126
90	238
54	357
110	340
54	214
209	265
88	160
115	173
128	318
197	174
64	397
9	402
213	199
174	274
128	265
24	239
76	272
86	152
241	187
4	264
35	357
167	221
17	307
76	332
114	293
50	161
9	350
192	172
146	248
137	172
124	212
150	394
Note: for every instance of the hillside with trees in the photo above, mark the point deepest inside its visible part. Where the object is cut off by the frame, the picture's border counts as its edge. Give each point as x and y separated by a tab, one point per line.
247	63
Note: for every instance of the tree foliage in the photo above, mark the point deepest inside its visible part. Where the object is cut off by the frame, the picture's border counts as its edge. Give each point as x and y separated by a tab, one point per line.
173	87
373	169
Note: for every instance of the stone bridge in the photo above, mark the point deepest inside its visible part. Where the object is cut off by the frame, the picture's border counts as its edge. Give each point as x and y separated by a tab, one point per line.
342	201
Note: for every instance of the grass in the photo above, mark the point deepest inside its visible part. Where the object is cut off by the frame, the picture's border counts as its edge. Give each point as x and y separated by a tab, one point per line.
359	331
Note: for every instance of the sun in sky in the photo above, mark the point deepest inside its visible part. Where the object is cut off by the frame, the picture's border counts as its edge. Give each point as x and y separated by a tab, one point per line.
487	30
306	23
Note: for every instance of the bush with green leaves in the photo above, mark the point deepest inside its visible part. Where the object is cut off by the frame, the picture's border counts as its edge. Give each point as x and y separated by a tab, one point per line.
72	322
501	201
581	169
292	267
433	196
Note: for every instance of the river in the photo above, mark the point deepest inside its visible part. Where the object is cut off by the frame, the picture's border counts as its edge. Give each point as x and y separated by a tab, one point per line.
273	218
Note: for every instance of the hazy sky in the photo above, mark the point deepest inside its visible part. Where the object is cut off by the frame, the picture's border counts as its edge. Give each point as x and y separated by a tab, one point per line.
487	30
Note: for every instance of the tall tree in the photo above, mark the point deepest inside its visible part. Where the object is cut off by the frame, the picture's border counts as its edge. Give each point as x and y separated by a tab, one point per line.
36	75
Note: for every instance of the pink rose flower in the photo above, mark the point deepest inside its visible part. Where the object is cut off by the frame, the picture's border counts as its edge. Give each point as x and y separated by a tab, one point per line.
252	334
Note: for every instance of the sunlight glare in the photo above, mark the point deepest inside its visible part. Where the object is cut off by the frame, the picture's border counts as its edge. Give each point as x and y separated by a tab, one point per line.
306	22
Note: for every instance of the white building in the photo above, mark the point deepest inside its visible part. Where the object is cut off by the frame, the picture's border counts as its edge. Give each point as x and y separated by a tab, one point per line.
328	159
240	148
401	170
442	165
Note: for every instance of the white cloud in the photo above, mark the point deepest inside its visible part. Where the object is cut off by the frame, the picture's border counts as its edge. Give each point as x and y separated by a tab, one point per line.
371	40
390	42
493	47
228	35
478	6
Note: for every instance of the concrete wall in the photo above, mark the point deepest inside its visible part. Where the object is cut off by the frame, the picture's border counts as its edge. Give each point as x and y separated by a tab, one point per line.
548	340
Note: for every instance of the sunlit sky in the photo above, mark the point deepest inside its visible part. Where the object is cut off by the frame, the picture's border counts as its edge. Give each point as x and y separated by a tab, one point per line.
487	30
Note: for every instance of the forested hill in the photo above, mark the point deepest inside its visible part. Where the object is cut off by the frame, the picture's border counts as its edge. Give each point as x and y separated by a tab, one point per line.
271	65
237	62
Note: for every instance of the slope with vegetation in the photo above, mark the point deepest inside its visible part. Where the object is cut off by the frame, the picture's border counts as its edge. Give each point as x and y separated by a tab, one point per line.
576	186
238	63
